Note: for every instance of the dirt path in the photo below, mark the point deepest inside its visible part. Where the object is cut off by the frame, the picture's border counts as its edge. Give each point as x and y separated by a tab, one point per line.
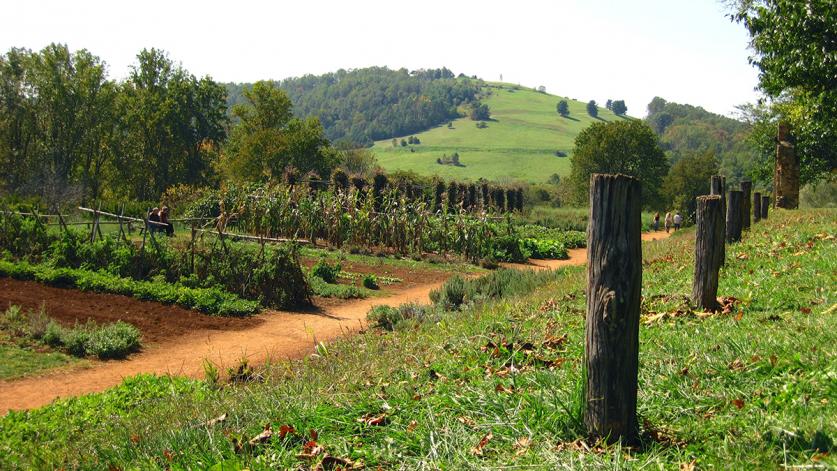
272	334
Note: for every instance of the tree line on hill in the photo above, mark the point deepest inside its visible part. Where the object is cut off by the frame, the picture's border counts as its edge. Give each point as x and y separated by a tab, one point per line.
364	105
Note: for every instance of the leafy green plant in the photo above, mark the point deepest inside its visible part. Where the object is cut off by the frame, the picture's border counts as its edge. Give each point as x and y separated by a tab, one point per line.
325	271
370	281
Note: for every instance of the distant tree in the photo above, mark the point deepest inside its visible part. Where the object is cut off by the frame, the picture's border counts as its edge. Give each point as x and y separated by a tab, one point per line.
450	124
403	143
592	108
554	179
563	108
455	159
359	160
688	179
627	147
394	142
416	141
609	104
480	112
619	108
542	89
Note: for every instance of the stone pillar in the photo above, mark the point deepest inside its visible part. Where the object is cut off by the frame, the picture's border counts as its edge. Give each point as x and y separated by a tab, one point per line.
786	175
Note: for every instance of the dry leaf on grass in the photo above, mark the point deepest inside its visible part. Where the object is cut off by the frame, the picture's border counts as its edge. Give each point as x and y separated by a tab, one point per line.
738	403
522	445
262	437
412	426
737	365
477	450
688	466
370	419
500	388
332	462
310	450
467	421
216	420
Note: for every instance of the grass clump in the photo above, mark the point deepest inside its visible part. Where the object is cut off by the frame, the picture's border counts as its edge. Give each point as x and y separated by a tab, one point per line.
457	292
392	318
370	281
326	271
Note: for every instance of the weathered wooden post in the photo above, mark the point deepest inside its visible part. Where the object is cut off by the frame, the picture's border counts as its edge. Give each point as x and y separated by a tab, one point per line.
786	174
746	188
709	245
614	282
765	205
734	208
756	206
718	187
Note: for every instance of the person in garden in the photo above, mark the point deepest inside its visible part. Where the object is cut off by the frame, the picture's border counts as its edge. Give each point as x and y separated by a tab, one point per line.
153	216
164	218
668	221
678	220
656	221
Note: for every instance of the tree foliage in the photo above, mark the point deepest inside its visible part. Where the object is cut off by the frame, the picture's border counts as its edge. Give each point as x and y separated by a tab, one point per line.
795	51
688	179
619	108
563	108
592	108
267	138
363	105
687	129
626	147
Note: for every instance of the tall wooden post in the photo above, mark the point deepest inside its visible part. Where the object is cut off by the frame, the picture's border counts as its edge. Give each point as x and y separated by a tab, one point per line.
734	208
746	188
765	205
614	282
709	244
718	187
756	206
786	174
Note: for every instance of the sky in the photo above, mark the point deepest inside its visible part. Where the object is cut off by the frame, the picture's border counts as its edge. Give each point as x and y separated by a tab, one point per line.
686	51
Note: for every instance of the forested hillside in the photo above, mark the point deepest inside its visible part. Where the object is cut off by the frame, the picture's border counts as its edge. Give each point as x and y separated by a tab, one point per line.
363	105
687	130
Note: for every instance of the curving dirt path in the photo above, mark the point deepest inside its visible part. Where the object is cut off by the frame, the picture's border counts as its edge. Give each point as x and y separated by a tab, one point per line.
272	334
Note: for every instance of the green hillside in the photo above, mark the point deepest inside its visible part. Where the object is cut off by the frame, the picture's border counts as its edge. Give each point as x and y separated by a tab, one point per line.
519	143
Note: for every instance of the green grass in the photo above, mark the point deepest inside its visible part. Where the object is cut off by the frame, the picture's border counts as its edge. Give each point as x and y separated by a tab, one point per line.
750	389
16	361
519	143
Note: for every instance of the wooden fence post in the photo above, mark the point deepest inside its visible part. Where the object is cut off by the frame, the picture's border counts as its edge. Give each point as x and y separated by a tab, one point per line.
709	244
734	219
786	173
746	189
765	205
718	187
756	206
614	282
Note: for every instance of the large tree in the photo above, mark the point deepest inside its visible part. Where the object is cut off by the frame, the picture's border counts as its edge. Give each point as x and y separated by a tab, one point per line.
795	49
563	108
267	138
172	125
592	108
627	147
619	108
688	179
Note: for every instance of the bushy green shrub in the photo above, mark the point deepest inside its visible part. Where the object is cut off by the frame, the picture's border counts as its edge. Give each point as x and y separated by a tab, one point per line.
115	340
507	249
333	290
370	281
451	295
392	318
325	271
544	248
457	292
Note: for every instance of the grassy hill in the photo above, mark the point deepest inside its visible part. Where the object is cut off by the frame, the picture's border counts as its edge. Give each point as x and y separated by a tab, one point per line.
518	144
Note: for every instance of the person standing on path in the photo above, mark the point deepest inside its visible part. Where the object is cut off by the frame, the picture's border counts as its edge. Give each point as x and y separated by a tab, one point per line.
678	220
668	221
656	221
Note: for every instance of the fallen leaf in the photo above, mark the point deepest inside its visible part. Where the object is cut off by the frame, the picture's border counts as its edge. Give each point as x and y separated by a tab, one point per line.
805	310
742	256
500	388
373	420
412	426
773	360
262	437
310	450
554	342
738	403
740	315
737	365
313	435
135	438
522	445
685	371
333	462
477	450
467	421
216	420
688	466
284	430
168	455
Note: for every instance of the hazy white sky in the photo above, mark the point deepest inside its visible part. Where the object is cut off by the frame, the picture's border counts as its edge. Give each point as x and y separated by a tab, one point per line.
682	50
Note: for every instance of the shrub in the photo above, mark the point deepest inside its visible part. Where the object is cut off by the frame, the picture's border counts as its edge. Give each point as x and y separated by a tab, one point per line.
52	334
451	295
392	318
370	281
326	272
115	340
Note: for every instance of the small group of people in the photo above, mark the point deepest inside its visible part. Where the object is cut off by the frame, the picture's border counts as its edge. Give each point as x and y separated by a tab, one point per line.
160	216
671	220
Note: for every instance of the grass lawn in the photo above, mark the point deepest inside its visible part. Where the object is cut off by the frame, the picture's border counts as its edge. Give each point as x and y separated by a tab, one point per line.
518	144
16	362
498	384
